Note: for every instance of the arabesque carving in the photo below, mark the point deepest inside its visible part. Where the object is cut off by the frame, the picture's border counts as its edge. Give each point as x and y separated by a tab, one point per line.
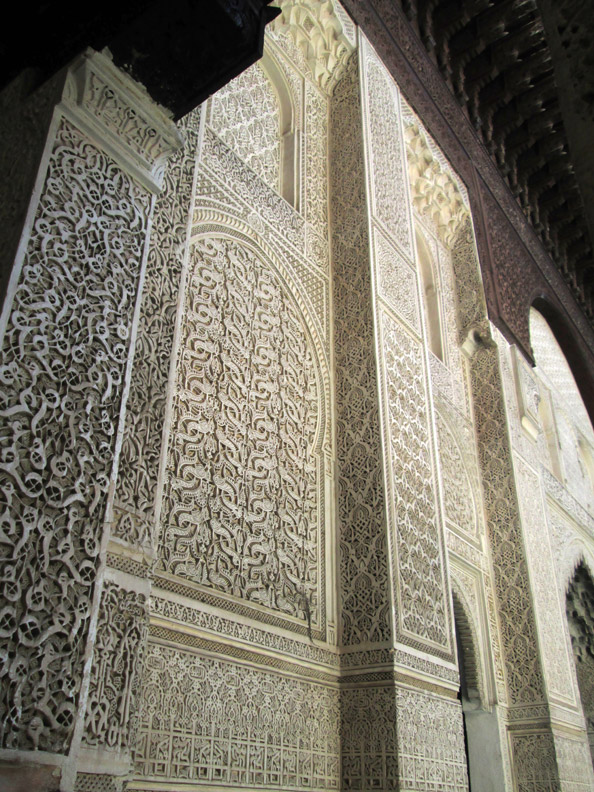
419	563
364	572
246	116
241	511
138	476
208	721
64	355
111	717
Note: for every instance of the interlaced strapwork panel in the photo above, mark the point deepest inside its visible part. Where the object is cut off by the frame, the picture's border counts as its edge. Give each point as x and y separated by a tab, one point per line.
207	721
241	506
459	503
388	186
419	561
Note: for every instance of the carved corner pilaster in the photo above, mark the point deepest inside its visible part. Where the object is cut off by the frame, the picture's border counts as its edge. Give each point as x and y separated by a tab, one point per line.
120	116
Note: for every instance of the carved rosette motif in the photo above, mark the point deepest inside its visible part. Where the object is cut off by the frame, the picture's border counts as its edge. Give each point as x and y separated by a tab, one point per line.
241	504
64	356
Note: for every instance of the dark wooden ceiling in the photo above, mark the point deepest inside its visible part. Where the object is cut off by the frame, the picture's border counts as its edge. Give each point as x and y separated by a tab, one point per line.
523	72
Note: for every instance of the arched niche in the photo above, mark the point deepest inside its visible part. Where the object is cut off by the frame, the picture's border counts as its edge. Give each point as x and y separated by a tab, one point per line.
431	301
243	513
255	116
579	605
481	727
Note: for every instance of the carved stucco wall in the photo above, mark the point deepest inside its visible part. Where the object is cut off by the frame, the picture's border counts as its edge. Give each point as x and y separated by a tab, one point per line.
364	577
414	520
244	517
265	365
111	723
557	529
233	119
552	437
579	610
418	572
68	326
74	379
446	235
441	219
243	505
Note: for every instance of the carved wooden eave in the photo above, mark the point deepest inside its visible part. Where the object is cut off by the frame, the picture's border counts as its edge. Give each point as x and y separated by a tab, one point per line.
498	59
325	35
492	81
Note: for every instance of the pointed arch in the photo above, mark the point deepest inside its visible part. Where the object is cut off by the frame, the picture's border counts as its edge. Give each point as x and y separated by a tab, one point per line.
564	332
466	644
580	621
256	116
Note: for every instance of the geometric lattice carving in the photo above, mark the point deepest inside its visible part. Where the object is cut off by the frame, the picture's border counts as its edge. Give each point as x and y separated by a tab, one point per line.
548	611
63	365
574	763
534	761
431	750
516	616
420	567
458	494
316	161
207	721
363	546
389	187
369	739
241	510
398	283
97	782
